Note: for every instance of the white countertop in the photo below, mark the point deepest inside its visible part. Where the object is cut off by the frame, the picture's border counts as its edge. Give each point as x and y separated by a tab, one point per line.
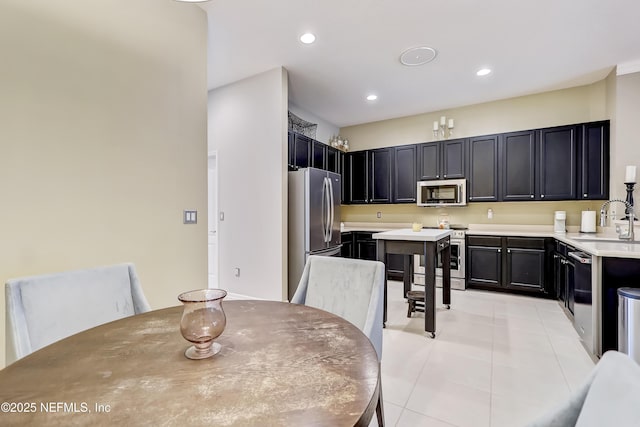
424	235
603	248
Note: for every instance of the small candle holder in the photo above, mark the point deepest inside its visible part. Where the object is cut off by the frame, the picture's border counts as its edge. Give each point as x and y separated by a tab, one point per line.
629	200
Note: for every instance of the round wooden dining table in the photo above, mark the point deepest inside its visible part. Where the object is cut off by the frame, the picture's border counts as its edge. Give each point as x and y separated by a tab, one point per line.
280	364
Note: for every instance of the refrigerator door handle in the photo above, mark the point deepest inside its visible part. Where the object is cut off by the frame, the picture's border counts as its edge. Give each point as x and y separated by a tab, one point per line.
331	210
328	211
323	208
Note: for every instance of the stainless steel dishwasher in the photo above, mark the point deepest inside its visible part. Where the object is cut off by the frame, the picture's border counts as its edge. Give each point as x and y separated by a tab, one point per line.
583	307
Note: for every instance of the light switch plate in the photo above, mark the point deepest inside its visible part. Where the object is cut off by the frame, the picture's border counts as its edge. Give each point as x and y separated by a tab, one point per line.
190	217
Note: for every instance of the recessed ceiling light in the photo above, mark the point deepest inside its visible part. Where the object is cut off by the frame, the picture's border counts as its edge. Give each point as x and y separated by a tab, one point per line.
417	56
483	72
372	97
307	38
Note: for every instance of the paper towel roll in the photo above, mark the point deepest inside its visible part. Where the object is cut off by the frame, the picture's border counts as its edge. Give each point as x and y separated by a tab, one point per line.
588	224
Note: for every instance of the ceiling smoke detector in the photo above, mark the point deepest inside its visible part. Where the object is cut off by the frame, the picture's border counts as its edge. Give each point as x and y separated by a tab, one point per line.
417	56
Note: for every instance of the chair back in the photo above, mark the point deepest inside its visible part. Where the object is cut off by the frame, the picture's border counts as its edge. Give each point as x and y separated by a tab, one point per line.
43	309
350	288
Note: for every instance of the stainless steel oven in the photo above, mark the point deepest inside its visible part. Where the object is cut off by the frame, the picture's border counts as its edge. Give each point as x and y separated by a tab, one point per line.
457	264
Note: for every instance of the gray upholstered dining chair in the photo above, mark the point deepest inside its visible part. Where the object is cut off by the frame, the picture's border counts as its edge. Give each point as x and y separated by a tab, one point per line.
350	288
43	309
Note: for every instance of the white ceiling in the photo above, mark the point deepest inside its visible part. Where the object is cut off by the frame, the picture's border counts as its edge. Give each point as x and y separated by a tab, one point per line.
532	46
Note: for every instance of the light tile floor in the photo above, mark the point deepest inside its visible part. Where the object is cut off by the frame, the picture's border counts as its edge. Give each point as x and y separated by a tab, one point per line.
497	360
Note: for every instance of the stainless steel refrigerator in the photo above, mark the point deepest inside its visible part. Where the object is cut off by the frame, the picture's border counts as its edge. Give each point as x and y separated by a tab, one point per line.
314	218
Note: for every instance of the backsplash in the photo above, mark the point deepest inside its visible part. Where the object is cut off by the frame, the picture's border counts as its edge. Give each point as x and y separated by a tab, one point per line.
534	213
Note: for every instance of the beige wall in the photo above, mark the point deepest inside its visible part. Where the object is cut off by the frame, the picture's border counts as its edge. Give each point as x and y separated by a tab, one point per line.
103	112
561	107
626	150
521	213
575	105
248	129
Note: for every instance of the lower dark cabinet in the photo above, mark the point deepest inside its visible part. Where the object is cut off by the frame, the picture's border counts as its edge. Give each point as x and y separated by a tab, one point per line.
347	245
484	262
525	269
365	246
517	264
360	245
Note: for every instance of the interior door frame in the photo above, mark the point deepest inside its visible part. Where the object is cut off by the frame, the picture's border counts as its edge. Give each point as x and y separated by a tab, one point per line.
213	208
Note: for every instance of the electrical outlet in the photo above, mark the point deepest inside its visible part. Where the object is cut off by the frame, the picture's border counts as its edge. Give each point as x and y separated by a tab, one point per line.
490	213
236	272
221	216
379	214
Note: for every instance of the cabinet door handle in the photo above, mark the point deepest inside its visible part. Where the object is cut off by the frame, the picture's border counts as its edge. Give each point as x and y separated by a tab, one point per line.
584	195
499	250
542	196
532	196
444	176
508	251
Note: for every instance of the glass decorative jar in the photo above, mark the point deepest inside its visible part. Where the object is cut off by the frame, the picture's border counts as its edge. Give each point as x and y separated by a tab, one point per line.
203	320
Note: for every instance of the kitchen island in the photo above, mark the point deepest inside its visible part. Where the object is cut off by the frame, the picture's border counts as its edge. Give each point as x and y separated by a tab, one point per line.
427	242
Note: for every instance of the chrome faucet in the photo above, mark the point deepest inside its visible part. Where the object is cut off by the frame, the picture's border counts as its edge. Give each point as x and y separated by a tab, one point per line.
629	235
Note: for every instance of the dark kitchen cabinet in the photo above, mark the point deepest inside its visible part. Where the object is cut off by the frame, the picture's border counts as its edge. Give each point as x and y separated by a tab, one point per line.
512	264
302	151
525	264
517	165
405	174
345	174
484	262
364	246
442	159
369	176
332	163
380	174
360	245
318	154
483	169
594	161
558	163
291	148
357	177
347	245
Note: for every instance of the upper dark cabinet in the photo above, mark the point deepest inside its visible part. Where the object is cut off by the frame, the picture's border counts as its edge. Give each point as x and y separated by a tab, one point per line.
441	159
368	176
318	154
302	151
332	160
558	163
429	160
483	169
380	173
453	158
405	174
357	169
291	148
594	161
517	165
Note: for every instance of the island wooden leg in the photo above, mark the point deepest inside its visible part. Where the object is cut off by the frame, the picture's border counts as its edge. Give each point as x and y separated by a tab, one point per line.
430	288
407	274
381	256
446	276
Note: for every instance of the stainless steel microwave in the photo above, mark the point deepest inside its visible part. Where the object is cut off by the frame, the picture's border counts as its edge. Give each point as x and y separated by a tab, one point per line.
446	192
